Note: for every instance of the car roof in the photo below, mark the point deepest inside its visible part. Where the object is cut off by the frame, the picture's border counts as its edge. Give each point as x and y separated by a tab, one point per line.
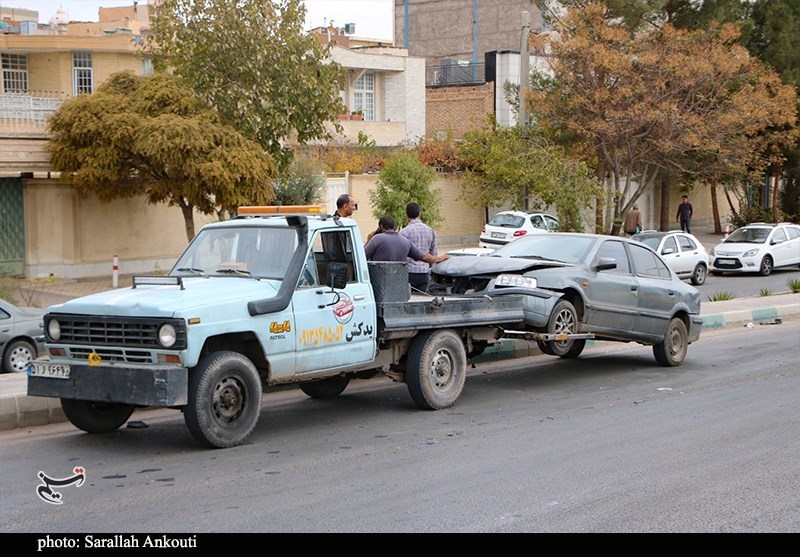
523	213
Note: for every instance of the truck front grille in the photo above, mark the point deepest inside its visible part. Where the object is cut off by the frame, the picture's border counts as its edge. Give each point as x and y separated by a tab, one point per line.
114	355
138	332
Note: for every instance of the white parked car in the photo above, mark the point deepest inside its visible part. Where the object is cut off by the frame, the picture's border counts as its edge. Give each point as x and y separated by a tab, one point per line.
21	336
508	226
682	252
757	248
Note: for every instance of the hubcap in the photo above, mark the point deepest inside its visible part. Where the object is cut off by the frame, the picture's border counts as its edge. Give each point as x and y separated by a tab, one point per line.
564	323
20	358
442	369
230	399
675	342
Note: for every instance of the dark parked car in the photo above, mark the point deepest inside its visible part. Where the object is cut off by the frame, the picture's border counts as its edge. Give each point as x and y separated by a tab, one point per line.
617	289
21	336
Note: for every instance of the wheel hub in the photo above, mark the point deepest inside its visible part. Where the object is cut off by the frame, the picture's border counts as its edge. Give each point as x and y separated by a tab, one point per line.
229	399
441	369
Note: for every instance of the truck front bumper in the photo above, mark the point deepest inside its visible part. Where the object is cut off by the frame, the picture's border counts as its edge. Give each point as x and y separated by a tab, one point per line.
138	385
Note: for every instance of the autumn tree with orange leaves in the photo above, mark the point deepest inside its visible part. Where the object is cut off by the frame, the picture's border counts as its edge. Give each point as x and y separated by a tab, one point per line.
689	103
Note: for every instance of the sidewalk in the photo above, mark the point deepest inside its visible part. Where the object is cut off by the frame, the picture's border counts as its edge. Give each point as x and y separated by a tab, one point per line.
17	410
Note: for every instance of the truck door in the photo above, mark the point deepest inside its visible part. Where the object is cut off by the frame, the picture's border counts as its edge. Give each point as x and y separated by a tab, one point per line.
333	328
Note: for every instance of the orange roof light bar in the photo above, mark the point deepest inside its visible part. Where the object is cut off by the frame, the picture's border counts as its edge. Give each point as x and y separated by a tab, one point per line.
283	210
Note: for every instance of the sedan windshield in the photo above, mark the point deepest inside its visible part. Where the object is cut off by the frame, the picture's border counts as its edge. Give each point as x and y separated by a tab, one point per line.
748	236
262	252
554	247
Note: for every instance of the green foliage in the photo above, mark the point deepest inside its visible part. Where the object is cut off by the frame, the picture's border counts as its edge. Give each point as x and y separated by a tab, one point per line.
765	292
721	296
153	136
252	60
794	285
301	184
504	165
404	179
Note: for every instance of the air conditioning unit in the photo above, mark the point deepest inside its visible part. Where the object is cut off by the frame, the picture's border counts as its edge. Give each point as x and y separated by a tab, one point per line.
454	70
349	28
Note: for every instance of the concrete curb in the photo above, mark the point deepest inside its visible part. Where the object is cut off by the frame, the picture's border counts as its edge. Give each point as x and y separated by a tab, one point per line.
18	410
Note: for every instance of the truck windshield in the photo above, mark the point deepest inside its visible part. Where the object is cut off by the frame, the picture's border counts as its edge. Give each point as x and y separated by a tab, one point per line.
262	252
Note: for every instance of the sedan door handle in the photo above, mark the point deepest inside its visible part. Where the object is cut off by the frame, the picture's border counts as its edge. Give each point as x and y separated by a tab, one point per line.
358	298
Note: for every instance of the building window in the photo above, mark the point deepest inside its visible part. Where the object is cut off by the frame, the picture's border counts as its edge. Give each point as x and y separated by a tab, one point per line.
15	73
81	73
147	66
364	96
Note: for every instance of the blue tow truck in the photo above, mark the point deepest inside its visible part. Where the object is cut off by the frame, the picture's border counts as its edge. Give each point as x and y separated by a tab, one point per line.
278	296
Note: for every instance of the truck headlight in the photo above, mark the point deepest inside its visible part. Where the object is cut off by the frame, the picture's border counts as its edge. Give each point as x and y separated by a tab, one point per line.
54	329
515	280
167	335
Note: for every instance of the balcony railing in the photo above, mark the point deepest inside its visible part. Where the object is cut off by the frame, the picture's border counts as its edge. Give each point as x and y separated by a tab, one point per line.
461	73
26	114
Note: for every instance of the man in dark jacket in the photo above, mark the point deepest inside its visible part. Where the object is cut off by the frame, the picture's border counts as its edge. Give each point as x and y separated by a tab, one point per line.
684	215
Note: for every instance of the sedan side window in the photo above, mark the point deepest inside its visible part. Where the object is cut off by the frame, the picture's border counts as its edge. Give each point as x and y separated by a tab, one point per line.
615	250
686	243
793	232
779	236
552	223
4	315
669	244
648	263
537	222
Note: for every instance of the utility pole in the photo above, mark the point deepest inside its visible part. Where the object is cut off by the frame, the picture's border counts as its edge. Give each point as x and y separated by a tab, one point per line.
524	69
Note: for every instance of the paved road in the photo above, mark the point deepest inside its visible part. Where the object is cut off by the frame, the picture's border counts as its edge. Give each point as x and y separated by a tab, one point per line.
610	442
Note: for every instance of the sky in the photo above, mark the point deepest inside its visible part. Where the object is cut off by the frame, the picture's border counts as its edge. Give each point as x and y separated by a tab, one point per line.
373	18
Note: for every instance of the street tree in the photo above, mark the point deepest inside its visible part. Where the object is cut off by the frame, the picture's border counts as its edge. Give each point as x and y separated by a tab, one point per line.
691	103
509	166
253	62
153	136
403	179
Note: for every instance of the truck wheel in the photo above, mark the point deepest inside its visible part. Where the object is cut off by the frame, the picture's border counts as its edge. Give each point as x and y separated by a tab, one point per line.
325	388
564	319
672	350
436	369
224	400
94	416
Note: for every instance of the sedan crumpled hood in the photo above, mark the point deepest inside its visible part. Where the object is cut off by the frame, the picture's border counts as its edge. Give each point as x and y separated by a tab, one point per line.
489	265
166	301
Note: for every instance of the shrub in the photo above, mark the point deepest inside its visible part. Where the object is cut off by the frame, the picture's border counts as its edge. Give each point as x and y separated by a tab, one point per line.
794	285
721	296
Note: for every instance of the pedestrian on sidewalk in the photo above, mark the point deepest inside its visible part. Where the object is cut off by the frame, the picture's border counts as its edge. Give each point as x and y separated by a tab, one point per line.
424	238
633	221
684	215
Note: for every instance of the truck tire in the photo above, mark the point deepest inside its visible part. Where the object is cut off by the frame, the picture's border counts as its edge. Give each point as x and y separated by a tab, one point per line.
224	400
325	388
564	319
436	369
94	416
672	350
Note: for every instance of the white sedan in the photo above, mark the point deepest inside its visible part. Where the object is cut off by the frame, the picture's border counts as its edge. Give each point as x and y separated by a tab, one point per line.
757	248
507	226
682	252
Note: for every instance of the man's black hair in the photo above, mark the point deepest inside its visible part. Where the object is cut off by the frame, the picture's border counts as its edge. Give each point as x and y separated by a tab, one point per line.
412	210
387	222
343	200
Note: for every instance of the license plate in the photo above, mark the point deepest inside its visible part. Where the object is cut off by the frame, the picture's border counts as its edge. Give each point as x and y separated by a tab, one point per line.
498	235
725	262
42	369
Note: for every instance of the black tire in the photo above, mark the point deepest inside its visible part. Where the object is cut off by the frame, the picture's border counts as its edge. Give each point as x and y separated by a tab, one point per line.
224	400
94	416
672	350
766	266
699	274
545	348
325	388
436	369
564	319
17	356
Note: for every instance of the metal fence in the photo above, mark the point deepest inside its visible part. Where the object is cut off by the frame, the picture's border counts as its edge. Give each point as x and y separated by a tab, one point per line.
461	73
27	113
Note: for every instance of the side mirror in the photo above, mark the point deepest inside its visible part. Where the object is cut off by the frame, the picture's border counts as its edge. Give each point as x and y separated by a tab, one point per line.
667	251
773	242
337	275
606	263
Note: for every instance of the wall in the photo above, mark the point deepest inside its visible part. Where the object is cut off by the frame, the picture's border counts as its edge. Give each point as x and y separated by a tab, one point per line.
72	235
458	109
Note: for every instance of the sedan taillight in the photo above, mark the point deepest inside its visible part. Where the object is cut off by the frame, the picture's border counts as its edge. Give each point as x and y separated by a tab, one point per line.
519	233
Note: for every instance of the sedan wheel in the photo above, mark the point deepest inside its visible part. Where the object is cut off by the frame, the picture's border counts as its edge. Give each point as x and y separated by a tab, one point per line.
564	320
766	266
699	274
672	350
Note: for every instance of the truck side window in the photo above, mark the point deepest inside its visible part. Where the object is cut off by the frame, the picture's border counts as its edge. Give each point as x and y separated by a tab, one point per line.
334	245
309	275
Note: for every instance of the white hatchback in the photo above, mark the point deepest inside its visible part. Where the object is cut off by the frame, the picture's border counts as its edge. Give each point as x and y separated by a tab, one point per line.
682	252
508	226
757	248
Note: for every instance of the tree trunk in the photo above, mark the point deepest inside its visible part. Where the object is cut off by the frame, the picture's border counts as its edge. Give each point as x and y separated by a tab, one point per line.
715	210
188	217
664	220
730	203
775	193
600	173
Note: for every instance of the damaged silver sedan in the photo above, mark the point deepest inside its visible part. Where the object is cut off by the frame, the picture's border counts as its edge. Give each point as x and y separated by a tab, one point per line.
616	289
